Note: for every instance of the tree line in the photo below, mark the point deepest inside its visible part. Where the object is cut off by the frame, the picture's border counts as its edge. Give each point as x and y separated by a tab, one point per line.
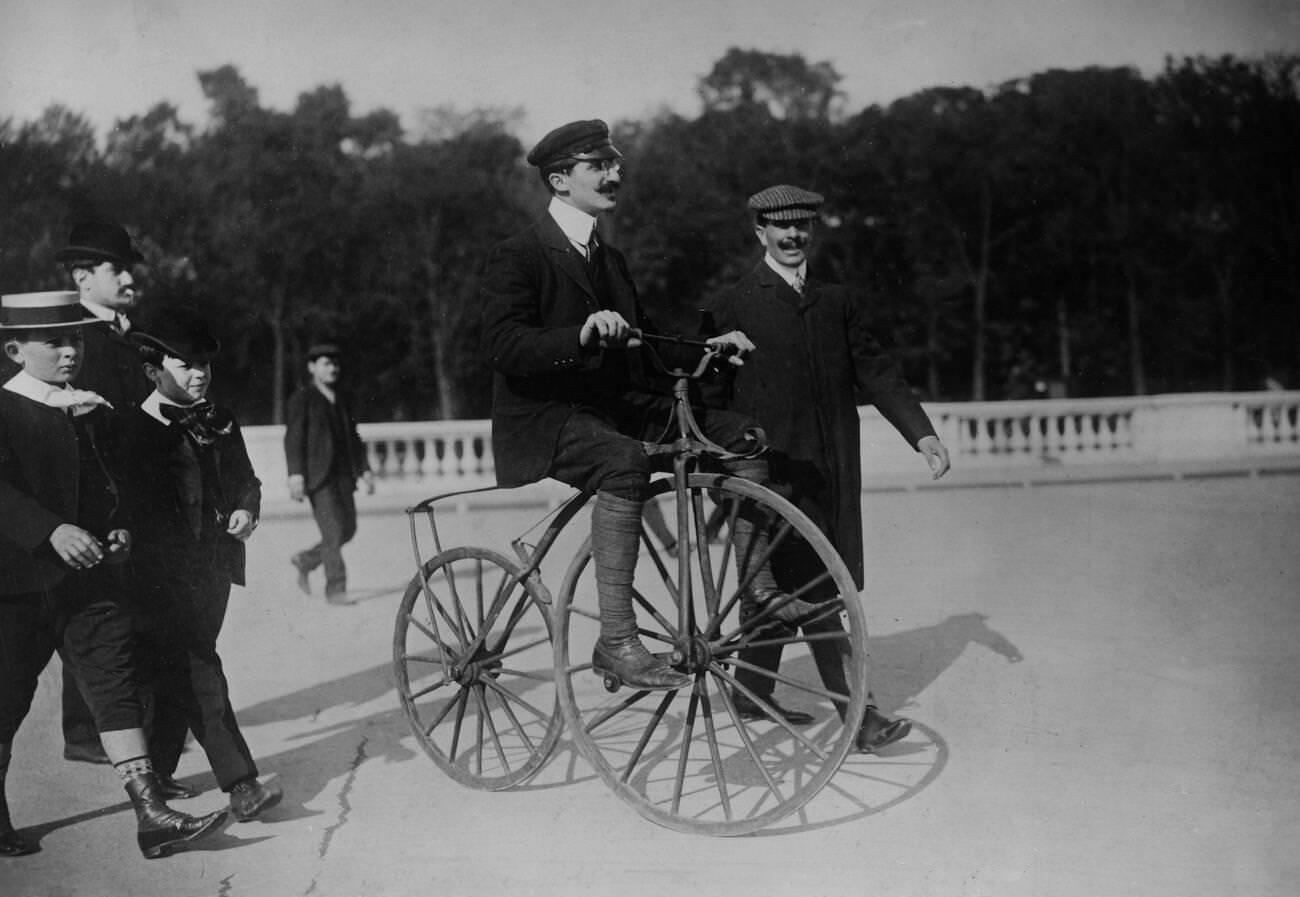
1083	232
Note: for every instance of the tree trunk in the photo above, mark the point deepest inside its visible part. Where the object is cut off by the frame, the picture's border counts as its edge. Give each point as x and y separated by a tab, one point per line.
279	362
932	347
440	339
1137	367
1228	360
1063	342
981	284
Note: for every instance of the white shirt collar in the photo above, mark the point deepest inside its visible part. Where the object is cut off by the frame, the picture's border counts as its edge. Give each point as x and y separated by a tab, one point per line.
789	275
103	312
107	315
29	387
576	224
151	405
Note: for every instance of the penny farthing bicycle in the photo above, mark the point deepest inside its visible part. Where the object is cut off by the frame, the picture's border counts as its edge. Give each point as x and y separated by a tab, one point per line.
492	669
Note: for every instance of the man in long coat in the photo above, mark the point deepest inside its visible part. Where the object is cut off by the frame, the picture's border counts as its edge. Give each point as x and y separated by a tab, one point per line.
815	363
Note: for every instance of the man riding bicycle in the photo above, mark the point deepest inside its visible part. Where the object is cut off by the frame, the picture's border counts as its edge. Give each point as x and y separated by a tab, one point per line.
570	397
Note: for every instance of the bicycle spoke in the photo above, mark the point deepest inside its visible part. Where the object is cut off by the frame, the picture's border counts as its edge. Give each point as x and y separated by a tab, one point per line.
507	693
685	751
647	733
430	689
714	757
485	720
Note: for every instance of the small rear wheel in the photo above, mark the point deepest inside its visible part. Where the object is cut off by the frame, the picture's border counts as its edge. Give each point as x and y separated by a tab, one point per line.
772	710
473	658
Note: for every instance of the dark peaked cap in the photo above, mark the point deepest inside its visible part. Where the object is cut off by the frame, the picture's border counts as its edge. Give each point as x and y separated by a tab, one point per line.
786	203
580	140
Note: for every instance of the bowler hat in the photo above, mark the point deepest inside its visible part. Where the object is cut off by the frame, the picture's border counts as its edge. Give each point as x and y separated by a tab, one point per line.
786	203
101	240
581	141
176	330
30	311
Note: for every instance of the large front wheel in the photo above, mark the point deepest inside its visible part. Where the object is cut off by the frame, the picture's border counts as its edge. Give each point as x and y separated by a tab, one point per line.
771	710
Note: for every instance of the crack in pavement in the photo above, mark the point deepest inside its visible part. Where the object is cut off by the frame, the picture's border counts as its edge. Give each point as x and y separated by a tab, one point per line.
345	806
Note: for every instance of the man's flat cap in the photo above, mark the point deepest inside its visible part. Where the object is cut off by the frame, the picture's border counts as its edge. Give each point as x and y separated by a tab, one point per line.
578	140
786	203
324	350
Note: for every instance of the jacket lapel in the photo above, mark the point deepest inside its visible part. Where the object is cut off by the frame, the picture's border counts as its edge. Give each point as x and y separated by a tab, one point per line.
771	280
564	257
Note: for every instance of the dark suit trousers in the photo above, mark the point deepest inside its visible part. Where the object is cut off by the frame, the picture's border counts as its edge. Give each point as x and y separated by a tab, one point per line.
182	617
82	620
793	565
335	509
78	721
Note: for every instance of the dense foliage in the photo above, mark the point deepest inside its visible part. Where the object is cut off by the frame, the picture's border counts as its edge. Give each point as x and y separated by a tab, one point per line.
1090	230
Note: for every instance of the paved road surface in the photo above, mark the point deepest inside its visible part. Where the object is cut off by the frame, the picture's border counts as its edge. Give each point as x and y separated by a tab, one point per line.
1106	680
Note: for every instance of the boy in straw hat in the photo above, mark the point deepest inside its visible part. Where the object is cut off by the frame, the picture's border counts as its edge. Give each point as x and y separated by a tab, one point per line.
59	529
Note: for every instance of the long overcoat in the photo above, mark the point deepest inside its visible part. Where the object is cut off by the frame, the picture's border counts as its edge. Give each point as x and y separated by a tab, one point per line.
815	363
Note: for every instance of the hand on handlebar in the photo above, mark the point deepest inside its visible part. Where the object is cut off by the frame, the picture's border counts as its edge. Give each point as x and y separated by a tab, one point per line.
733	345
608	329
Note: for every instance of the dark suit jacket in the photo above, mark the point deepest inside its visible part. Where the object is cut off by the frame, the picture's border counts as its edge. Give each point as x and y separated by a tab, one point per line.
162	494
309	444
111	366
39	481
535	297
814	364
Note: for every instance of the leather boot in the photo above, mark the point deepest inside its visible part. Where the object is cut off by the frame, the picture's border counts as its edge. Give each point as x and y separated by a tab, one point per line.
619	654
160	827
11	843
879	730
628	663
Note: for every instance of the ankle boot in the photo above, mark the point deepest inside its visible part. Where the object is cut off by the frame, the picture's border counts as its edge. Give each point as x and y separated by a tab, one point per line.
619	654
11	844
160	827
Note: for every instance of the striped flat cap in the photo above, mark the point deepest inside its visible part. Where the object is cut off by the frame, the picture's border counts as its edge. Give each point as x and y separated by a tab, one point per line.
786	203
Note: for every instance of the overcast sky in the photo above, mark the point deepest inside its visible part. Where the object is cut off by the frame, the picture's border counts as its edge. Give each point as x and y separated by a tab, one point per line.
559	61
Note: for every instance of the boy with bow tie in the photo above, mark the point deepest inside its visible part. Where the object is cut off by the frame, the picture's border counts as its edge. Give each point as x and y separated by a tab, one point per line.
60	525
196	499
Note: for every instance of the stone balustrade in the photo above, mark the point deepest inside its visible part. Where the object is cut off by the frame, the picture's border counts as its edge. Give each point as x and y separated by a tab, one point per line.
986	438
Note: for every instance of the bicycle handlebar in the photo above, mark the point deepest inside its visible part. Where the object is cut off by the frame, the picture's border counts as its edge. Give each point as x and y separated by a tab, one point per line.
710	351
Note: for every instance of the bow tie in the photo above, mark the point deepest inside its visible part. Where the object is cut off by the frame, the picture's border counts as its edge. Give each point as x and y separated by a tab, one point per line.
78	401
203	421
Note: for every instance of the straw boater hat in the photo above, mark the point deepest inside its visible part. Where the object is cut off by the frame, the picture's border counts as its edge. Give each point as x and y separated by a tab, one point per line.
31	311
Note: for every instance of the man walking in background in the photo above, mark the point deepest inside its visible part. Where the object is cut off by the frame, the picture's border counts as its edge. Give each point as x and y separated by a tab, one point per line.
325	457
